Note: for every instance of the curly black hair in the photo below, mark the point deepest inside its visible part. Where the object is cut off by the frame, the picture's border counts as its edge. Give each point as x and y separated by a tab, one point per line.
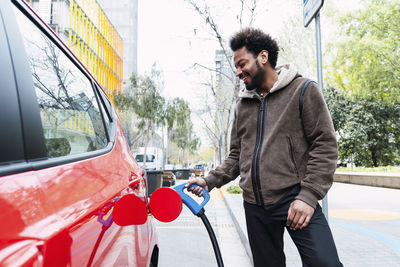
255	41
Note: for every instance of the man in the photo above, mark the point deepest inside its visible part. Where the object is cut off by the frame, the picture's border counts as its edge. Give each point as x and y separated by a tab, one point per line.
285	153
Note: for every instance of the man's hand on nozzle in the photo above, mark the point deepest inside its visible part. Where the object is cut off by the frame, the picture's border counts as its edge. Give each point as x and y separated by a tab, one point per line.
200	182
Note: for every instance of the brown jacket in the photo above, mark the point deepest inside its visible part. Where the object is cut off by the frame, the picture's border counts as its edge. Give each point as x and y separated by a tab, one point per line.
273	149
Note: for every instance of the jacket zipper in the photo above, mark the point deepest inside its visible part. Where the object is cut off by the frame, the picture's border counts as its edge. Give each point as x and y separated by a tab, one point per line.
292	156
257	151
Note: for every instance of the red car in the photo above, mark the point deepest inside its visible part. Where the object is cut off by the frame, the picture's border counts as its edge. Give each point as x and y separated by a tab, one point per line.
64	160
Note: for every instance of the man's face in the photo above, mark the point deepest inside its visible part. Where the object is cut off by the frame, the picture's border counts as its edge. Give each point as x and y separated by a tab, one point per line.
248	69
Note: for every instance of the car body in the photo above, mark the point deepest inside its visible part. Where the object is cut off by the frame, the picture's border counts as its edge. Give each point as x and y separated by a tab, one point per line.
197	170
198	166
178	166
154	157
168	178
169	167
64	160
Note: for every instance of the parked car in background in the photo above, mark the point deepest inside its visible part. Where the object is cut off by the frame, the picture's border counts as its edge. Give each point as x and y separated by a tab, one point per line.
169	167
197	170
178	166
64	160
154	158
168	179
198	166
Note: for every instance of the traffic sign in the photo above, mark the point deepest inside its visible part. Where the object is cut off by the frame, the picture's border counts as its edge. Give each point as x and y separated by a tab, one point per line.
310	9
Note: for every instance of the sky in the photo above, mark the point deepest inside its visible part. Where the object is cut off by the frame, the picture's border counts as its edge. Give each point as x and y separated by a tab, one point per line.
165	32
172	34
167	36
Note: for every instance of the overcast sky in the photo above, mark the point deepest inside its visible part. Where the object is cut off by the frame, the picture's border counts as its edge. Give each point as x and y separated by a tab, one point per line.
167	35
172	34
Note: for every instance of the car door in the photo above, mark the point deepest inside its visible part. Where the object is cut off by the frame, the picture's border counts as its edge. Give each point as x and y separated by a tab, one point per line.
79	157
18	193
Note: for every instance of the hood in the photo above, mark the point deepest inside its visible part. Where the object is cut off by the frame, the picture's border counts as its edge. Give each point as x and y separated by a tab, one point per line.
286	74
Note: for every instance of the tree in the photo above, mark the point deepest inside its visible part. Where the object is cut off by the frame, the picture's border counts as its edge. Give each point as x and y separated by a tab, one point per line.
143	97
339	104
365	110
141	106
369	130
368	52
205	155
180	126
297	45
217	112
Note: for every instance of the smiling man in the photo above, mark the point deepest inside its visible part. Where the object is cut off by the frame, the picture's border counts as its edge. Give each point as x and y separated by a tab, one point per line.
283	146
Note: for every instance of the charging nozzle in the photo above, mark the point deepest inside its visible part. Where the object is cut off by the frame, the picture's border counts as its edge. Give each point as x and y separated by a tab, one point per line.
189	201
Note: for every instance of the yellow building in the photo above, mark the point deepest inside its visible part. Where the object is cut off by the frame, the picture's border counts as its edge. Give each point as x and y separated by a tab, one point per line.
88	32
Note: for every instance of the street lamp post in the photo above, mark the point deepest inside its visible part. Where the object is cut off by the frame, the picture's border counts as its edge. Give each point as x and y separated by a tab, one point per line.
311	10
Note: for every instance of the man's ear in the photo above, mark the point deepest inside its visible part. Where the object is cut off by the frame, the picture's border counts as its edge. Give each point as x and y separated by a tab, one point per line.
264	57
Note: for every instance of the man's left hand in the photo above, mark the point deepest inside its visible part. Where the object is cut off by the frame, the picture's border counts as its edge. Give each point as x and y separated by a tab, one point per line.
299	215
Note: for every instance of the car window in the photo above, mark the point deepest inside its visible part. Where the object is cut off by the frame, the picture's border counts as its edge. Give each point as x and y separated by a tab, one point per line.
69	111
140	157
105	116
105	110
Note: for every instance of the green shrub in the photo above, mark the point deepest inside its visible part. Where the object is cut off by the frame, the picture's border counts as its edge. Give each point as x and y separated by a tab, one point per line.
234	189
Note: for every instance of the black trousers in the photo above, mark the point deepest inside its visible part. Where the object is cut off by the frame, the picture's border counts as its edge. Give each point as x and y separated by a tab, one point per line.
265	227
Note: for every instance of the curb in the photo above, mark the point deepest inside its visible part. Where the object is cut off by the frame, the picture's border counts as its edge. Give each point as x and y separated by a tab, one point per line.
378	179
242	234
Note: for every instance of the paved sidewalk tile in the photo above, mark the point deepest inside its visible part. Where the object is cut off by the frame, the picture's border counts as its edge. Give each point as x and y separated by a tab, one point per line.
361	241
231	248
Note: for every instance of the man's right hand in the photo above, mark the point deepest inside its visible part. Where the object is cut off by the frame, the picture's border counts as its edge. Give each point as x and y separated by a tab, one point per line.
198	181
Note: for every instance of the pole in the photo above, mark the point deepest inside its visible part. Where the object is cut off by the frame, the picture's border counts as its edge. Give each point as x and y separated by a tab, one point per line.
220	148
321	85
319	53
164	155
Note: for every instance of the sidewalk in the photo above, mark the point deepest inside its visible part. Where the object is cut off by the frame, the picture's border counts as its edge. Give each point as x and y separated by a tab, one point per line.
366	228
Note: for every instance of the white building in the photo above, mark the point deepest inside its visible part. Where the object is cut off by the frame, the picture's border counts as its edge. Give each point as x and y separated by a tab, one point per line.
224	87
124	16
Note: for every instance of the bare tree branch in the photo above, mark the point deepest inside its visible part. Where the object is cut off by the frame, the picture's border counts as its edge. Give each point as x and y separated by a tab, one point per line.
217	119
252	12
210	69
241	14
205	14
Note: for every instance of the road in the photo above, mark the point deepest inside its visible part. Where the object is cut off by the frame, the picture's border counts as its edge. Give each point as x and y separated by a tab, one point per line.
185	242
365	222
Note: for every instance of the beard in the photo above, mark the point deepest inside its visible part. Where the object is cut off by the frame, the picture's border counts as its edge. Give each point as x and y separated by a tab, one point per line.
257	79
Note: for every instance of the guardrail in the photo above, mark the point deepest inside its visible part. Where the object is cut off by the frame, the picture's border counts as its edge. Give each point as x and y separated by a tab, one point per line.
378	179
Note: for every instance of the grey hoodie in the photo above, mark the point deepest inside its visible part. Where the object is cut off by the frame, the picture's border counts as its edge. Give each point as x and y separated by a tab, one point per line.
273	149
